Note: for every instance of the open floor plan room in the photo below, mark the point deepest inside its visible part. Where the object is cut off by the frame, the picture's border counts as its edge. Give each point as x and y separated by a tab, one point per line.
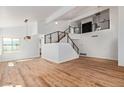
61	46
82	72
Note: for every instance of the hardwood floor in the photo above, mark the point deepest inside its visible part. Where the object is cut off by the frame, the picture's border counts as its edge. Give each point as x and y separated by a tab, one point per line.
82	72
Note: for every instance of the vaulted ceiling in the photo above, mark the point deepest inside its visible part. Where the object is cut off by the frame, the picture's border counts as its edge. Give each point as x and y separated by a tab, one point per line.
15	15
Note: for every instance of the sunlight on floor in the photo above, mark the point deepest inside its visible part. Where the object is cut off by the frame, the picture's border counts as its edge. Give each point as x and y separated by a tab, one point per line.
11	64
24	60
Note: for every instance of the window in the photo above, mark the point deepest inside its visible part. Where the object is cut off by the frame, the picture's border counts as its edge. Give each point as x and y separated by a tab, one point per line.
15	44
10	45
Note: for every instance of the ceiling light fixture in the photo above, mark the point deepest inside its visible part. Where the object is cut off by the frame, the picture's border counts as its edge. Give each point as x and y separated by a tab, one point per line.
56	22
27	37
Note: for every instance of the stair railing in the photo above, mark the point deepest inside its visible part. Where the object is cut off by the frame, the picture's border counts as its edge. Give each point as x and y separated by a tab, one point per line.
69	40
55	37
48	38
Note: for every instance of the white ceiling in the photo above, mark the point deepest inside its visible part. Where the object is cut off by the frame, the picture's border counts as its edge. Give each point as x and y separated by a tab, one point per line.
77	11
15	15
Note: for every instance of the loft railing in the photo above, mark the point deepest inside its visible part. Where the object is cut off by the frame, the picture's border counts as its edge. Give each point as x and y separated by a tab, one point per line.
76	30
55	37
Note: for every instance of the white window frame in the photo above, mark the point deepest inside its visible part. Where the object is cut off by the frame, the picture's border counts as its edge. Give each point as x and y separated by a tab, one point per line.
12	50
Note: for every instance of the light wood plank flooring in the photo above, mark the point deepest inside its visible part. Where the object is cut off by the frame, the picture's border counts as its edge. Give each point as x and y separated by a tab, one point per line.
82	72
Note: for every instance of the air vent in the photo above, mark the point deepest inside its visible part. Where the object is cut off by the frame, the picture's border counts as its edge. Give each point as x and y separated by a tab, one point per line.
84	54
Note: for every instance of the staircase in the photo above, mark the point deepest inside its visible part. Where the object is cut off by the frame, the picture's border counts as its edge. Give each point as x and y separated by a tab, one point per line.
59	51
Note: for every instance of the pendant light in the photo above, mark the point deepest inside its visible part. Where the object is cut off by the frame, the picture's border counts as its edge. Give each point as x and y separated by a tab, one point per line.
27	37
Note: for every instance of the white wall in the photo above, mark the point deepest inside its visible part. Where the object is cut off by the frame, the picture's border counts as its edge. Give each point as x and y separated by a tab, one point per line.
50	52
58	52
45	28
105	45
66	52
20	30
121	37
28	49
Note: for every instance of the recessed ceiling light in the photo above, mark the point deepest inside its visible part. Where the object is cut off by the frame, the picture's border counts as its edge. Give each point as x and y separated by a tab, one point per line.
56	22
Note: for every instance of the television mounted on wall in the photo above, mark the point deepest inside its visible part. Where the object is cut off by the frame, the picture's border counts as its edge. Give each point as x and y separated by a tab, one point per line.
87	27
